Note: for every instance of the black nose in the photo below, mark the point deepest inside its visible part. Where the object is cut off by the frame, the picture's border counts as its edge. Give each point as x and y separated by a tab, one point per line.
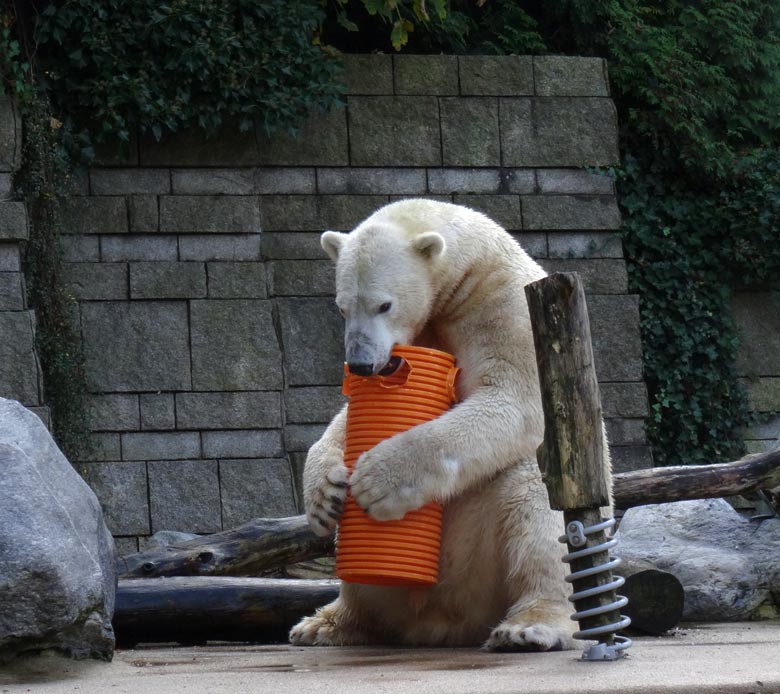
361	369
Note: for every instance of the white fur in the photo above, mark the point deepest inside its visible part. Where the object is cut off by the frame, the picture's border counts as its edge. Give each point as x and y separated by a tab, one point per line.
454	280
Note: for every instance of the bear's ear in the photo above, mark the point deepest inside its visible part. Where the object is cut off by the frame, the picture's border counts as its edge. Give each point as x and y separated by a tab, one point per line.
331	242
430	244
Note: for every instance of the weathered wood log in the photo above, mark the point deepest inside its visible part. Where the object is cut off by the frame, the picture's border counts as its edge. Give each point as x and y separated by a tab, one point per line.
682	482
655	598
252	549
571	457
192	610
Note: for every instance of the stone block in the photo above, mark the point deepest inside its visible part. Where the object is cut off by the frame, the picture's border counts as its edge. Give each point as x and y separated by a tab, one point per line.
292	246
281	181
763	393
533	243
557	132
194	484
102	446
757	316
394	131
136	346
118	249
144	214
425	74
9	257
301	437
570	212
626	432
488	75
254	443
624	399
190	147
766	428
11	295
213	181
368	73
504	209
563	75
6	186
126	545
320	141
221	214
96	281
170	445
114	412
630	458
13	221
313	335
574	182
10	134
469	132
317	212
598	275
244	280
301	278
19	377
88	215
228	247
246	410
130	181
315	404
481	181
255	489
75	249
614	323
361	181
592	244
167	280
157	411
121	489
234	346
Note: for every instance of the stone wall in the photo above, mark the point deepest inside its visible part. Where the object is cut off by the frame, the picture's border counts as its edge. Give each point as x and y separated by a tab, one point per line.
213	346
757	314
20	374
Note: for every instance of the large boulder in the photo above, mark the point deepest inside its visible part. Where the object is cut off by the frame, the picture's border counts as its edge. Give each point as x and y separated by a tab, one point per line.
728	565
57	558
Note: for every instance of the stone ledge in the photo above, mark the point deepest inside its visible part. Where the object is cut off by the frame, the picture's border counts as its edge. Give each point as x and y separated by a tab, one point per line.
255	443
496	75
247	410
570	212
167	280
366	73
425	74
129	181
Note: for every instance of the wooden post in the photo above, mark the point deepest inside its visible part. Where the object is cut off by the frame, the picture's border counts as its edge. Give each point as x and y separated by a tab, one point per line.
571	456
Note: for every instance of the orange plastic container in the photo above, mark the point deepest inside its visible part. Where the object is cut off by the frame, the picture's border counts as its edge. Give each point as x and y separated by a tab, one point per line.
403	552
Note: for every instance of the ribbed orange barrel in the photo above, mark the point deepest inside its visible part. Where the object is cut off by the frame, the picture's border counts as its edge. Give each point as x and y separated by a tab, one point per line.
406	551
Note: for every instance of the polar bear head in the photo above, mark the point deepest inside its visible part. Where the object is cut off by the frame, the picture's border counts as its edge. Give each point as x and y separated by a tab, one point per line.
385	286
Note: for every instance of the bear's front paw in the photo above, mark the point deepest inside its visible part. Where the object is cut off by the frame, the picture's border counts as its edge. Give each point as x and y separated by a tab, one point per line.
325	504
379	488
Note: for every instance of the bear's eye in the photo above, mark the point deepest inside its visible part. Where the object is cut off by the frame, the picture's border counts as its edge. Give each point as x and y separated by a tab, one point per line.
385	307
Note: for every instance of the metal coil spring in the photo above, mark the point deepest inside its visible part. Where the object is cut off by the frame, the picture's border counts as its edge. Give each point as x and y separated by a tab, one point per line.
576	536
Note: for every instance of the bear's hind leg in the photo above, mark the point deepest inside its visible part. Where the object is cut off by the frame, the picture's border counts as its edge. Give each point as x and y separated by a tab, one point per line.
332	625
541	625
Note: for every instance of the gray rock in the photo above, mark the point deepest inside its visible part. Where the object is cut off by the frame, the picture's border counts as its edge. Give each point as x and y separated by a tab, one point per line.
56	554
426	74
729	566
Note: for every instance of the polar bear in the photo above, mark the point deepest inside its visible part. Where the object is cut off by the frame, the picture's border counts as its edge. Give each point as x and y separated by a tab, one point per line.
441	275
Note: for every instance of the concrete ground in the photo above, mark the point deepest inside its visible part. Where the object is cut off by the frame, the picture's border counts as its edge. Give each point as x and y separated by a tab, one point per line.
725	658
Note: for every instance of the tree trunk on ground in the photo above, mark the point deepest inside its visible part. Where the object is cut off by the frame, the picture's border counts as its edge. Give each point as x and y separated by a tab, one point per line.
195	609
664	484
255	548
